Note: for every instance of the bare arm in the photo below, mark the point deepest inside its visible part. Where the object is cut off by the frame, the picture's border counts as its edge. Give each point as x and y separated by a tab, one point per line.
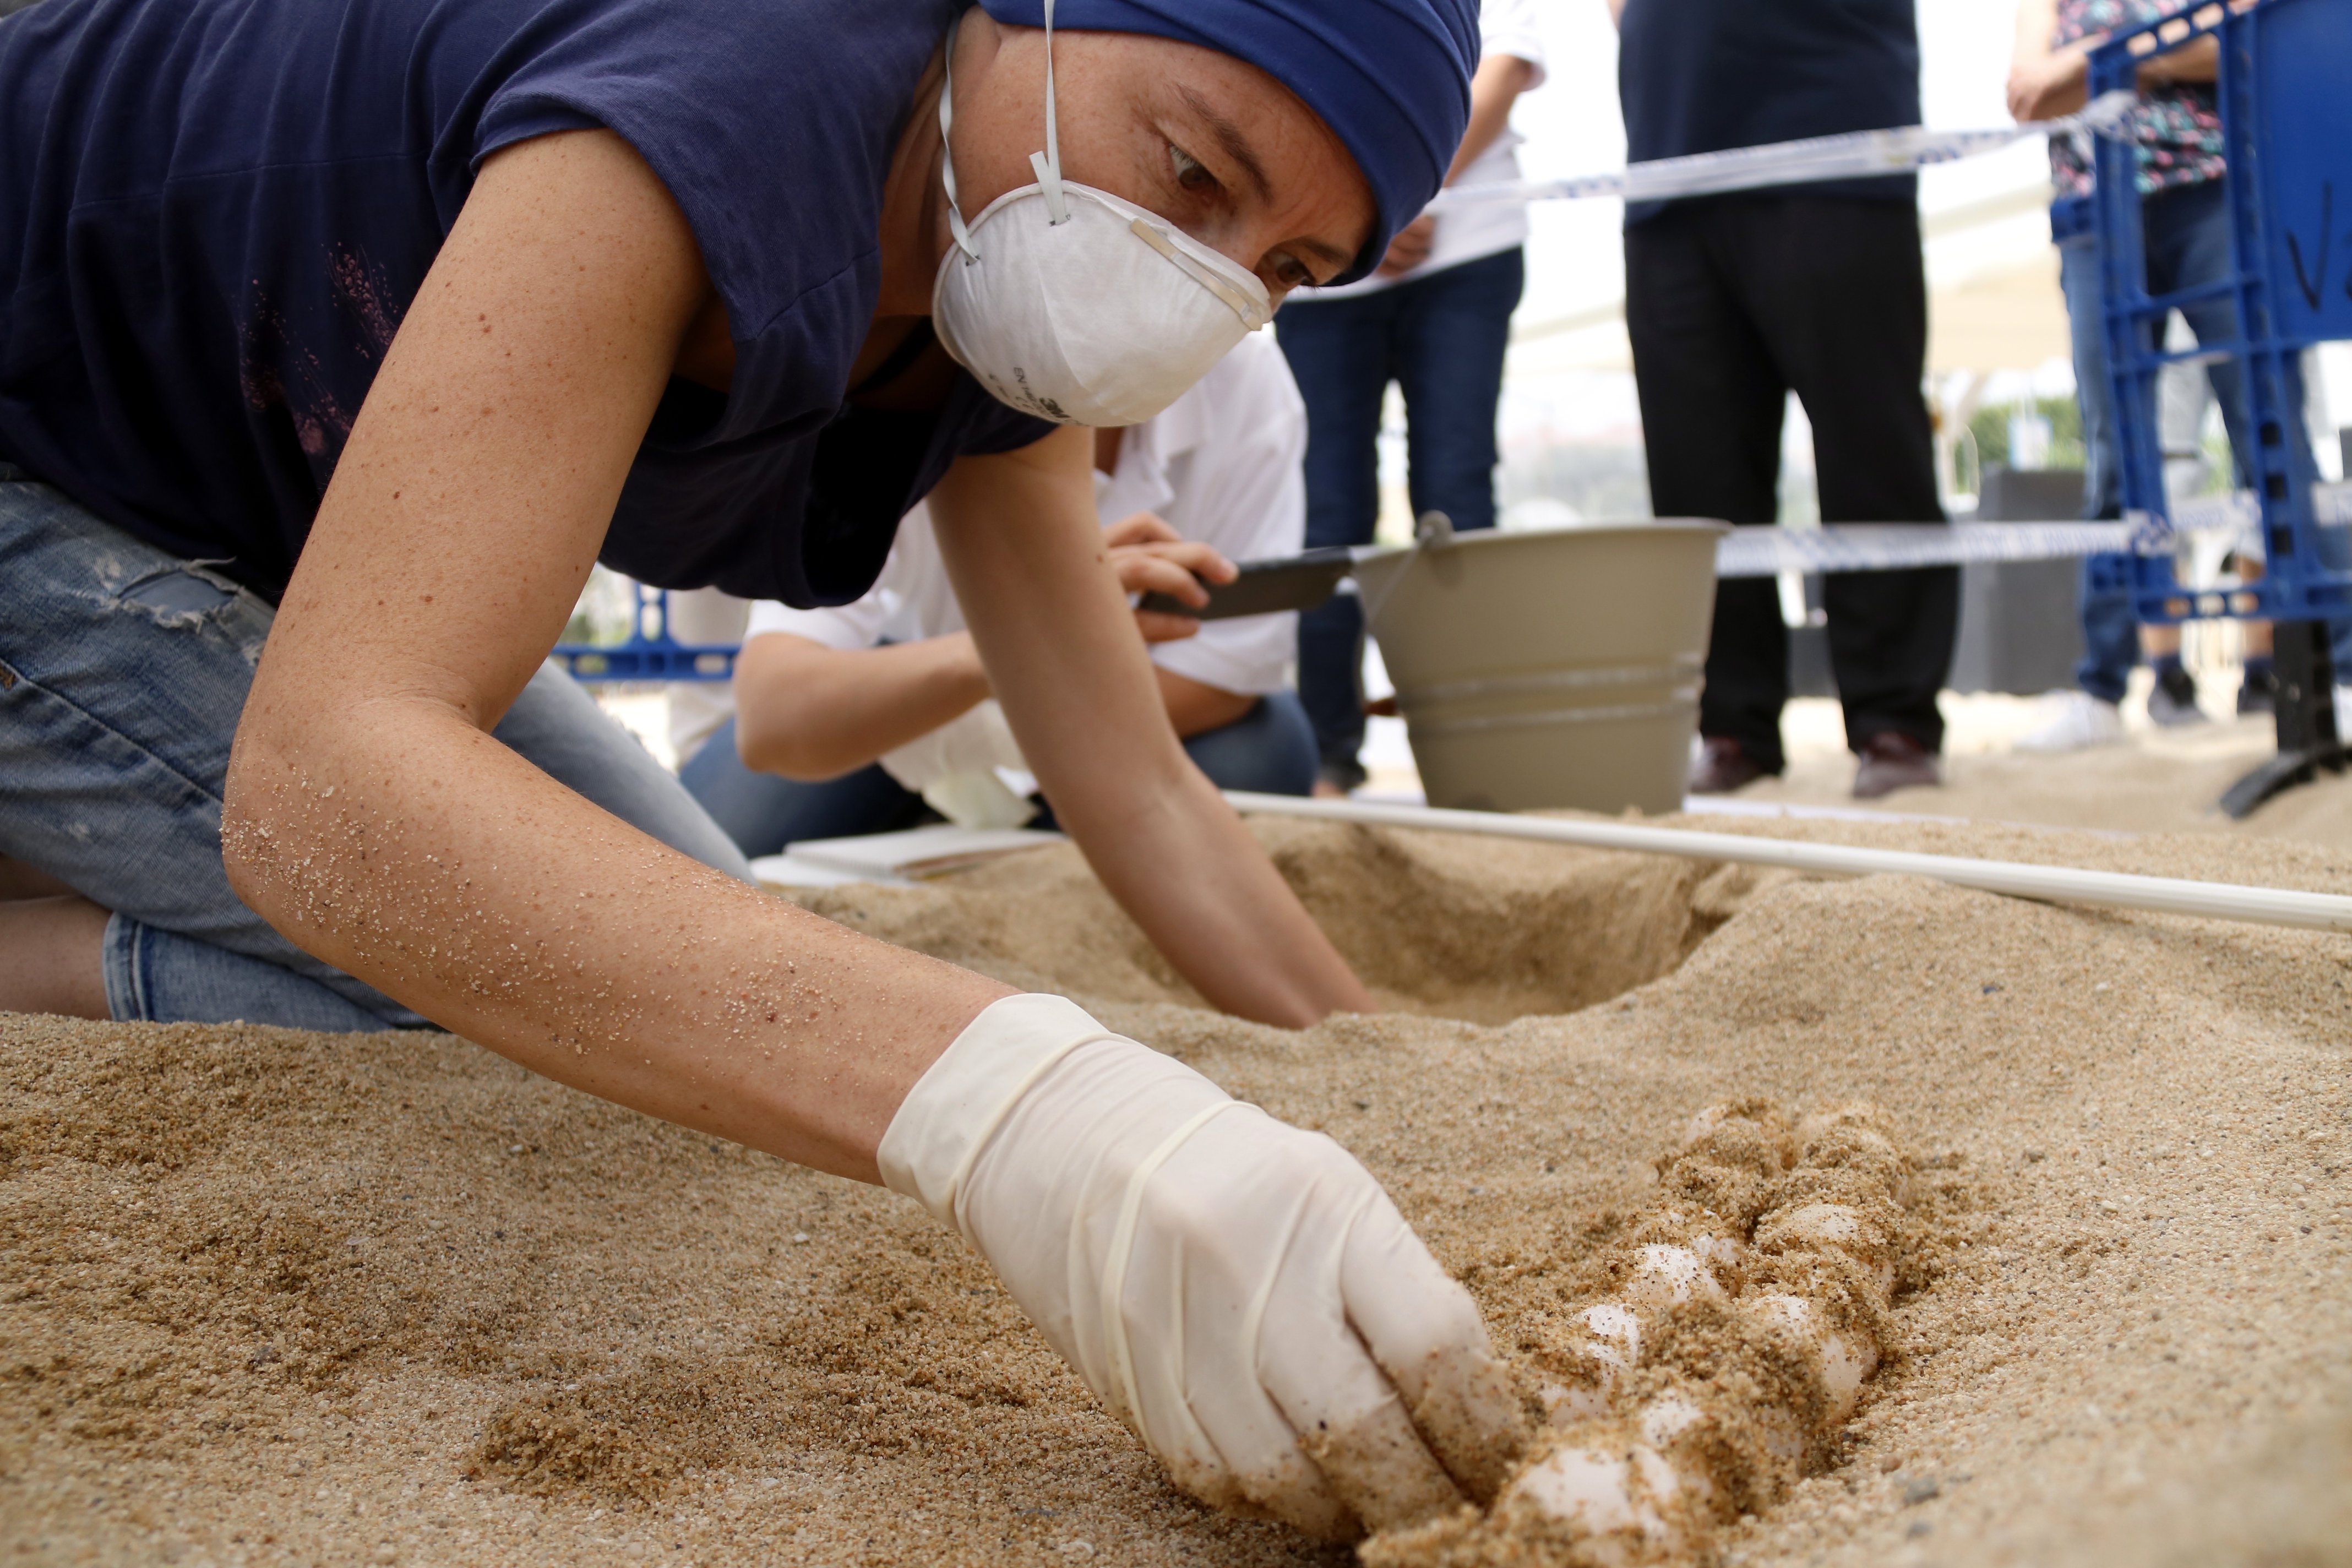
372	818
809	712
2037	33
1497	86
1499	80
804	711
2048	80
1030	565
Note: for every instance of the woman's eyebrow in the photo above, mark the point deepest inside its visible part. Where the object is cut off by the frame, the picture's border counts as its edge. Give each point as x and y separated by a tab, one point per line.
1330	253
1229	137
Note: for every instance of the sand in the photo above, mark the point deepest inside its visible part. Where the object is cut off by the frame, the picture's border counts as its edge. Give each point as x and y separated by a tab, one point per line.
267	1297
2154	781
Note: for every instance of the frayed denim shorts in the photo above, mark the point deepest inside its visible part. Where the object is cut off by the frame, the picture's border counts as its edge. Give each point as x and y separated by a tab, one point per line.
123	670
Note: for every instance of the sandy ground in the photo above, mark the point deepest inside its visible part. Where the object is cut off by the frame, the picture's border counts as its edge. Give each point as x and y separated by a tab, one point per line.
2156	781
276	1298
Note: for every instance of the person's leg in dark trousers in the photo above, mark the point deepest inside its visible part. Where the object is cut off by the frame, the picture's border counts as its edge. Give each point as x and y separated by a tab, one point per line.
1837	289
1270	749
1711	407
1452	330
1339	354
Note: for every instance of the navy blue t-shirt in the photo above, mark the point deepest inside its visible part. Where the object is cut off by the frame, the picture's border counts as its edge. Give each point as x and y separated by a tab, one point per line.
213	214
1702	76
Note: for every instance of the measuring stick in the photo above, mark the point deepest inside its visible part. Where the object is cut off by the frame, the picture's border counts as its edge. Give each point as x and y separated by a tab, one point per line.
2045	884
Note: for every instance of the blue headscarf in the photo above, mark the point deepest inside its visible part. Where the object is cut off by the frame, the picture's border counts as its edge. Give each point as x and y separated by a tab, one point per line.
1391	77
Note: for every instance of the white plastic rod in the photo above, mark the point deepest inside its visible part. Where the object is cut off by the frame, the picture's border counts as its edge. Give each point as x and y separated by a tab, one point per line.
2046	884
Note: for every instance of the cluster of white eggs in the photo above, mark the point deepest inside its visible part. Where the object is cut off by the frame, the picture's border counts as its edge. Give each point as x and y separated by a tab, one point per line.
1733	1348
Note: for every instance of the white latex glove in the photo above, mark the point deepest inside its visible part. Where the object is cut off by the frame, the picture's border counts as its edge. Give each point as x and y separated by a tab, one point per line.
1241	1293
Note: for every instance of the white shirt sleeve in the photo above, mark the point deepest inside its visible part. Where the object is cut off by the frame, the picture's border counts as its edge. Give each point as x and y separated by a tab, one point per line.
1474	233
1512	27
847	628
909	602
1243	489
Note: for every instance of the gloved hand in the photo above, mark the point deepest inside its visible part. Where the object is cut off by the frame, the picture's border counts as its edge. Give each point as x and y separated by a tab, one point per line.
1241	1293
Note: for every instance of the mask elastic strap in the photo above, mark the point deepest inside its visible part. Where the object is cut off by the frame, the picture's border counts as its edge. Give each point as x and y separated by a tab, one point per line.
956	224
1047	166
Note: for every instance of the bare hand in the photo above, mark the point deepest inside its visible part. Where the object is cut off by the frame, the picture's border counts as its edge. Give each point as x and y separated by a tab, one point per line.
2056	84
1410	246
1152	558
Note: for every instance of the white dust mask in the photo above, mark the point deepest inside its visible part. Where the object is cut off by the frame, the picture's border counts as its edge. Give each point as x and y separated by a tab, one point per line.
1079	306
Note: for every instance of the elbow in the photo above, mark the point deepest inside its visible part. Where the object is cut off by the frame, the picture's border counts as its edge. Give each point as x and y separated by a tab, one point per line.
789	751
251	829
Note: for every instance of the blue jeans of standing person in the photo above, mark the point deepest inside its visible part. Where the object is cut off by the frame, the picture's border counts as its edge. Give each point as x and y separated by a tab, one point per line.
1441	338
2185	235
123	670
1270	749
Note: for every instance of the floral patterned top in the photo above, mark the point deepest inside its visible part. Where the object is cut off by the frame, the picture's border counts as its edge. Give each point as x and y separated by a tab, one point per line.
2178	127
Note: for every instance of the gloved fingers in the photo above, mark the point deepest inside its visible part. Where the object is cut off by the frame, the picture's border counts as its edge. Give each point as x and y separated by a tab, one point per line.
1192	1301
1351	1424
1259	1472
1425	1332
1350	1419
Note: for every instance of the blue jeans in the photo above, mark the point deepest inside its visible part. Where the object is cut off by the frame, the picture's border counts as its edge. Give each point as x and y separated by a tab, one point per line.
123	671
2186	238
1271	749
1441	338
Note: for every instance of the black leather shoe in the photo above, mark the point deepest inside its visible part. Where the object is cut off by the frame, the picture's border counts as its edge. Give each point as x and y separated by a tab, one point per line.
1891	760
1724	766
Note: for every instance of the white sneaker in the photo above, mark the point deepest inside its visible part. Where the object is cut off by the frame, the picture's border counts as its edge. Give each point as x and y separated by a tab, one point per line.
2073	721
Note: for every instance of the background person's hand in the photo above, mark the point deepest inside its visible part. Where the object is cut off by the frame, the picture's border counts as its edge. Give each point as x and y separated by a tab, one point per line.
1241	1293
1410	246
2054	84
1151	557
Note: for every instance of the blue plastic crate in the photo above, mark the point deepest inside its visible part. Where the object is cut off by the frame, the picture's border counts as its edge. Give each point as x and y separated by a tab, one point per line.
650	653
2283	70
2285	93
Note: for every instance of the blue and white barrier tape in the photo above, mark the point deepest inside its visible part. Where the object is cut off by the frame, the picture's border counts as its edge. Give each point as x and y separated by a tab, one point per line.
1890	546
1855	154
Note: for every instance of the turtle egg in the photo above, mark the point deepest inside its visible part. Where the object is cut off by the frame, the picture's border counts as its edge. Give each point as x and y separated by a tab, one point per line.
1668	1276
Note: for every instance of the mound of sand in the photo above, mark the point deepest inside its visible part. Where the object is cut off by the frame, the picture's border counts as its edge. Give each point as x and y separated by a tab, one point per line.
268	1296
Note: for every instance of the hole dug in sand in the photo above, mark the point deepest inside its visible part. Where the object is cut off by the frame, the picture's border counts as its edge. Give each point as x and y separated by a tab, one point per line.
1481	930
1717	1351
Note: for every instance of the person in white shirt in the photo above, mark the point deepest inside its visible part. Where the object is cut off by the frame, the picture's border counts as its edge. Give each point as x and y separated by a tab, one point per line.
1434	319
865	717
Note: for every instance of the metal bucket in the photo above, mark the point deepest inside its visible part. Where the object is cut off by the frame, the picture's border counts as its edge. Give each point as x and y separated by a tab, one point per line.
1556	667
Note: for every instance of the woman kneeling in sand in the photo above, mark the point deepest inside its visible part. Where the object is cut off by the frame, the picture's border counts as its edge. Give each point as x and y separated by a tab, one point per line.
338	341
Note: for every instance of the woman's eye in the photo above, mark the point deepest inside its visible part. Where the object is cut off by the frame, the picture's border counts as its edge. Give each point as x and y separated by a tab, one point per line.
1189	173
1292	273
